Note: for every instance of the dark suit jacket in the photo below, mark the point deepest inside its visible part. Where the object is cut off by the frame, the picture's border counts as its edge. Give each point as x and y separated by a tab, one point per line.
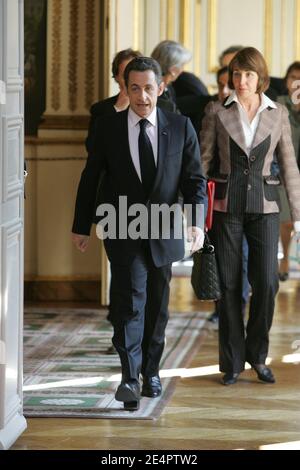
178	170
189	84
194	108
106	108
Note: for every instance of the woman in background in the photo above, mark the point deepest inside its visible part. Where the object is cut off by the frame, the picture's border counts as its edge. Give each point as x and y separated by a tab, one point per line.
290	102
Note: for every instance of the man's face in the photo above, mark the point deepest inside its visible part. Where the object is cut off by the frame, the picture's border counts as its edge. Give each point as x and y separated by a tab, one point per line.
120	76
227	59
293	76
143	92
223	88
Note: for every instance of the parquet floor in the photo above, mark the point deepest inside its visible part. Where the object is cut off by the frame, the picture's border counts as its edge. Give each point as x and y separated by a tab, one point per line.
202	413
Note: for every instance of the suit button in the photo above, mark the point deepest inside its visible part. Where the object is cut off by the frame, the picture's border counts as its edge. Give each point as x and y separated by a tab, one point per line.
246	172
252	158
249	187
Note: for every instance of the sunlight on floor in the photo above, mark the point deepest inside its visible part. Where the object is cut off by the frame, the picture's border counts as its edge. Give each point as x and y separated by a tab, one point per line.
64	383
183	373
291	358
294	445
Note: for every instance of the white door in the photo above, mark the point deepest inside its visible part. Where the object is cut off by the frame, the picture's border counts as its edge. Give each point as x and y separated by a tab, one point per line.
12	422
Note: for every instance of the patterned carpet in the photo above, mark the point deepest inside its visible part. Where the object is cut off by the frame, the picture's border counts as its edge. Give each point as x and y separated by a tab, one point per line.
68	371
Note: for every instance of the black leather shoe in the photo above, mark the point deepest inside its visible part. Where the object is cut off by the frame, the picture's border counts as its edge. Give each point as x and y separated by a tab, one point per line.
230	378
129	394
264	373
151	386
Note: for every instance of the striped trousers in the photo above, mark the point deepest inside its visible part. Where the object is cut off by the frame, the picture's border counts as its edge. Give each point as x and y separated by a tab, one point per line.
238	344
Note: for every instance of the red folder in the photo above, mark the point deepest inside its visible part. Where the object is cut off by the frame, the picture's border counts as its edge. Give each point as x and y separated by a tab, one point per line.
210	207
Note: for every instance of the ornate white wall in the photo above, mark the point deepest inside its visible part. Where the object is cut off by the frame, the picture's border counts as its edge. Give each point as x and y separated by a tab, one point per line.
12	422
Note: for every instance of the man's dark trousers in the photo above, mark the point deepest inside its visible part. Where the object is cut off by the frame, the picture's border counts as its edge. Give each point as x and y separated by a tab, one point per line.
139	297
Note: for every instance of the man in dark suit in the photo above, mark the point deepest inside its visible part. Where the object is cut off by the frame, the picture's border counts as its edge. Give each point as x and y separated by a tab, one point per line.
148	156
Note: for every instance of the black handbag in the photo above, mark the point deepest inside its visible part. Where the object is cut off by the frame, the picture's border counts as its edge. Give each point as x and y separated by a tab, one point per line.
205	276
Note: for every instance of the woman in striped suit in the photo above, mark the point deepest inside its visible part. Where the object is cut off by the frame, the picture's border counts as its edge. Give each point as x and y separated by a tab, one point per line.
240	141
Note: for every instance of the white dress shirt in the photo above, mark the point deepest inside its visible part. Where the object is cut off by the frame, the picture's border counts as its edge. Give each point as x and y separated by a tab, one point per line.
133	136
249	128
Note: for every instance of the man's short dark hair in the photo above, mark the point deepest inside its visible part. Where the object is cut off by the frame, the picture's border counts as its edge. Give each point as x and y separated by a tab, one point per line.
143	64
229	50
294	66
126	54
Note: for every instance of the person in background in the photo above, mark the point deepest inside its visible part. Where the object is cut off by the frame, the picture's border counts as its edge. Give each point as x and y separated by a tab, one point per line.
115	103
228	54
222	82
243	134
194	106
286	225
188	84
172	57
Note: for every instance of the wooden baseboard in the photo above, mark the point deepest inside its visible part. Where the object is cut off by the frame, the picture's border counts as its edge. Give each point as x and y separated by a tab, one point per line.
62	290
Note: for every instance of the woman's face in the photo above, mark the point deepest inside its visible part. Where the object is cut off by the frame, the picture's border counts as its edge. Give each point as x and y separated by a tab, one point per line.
291	78
245	82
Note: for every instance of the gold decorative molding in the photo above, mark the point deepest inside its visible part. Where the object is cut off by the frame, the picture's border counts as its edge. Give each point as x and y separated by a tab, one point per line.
171	20
104	46
197	37
56	54
57	159
116	26
38	141
297	30
268	32
136	24
89	52
184	28
74	122
163	19
212	36
282	35
73	55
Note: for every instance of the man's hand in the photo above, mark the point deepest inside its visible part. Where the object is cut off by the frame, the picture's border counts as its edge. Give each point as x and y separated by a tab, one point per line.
122	101
80	241
195	235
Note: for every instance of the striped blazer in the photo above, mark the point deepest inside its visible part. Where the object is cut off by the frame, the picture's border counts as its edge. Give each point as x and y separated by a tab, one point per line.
245	183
